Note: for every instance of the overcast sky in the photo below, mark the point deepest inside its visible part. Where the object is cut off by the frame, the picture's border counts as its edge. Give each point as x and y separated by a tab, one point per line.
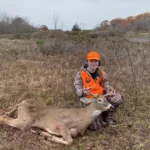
87	13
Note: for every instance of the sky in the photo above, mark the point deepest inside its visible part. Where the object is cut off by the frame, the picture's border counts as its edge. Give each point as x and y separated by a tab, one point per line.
88	14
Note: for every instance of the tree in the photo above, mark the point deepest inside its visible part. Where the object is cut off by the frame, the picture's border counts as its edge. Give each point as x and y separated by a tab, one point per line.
76	27
43	28
105	25
15	25
139	22
119	23
55	20
5	21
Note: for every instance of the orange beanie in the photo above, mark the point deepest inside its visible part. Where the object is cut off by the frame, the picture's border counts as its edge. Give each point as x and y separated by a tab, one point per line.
93	55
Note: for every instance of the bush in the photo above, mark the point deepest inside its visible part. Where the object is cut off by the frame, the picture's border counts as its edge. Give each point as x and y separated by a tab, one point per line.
50	47
40	42
76	28
116	33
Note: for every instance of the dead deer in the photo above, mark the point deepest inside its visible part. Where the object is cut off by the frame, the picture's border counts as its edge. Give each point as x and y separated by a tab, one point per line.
59	125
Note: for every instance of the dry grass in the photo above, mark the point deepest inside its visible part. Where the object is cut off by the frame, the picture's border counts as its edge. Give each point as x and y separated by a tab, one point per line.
26	73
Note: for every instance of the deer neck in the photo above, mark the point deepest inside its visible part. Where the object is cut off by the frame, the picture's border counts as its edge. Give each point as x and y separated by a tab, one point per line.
92	111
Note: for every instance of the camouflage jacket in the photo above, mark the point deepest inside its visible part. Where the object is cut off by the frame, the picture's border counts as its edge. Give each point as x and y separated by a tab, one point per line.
78	85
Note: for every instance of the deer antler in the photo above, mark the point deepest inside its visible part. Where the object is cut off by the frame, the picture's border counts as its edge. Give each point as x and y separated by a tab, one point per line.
94	95
91	87
106	95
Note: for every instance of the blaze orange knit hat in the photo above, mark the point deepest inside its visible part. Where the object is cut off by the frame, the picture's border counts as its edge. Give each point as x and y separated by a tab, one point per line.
93	55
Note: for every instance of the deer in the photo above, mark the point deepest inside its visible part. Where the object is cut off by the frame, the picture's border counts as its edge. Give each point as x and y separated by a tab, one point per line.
58	125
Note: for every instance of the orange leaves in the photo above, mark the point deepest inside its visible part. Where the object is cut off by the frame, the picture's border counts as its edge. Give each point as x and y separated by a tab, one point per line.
129	20
120	21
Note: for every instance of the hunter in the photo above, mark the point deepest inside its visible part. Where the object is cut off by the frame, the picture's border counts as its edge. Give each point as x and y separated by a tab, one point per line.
92	80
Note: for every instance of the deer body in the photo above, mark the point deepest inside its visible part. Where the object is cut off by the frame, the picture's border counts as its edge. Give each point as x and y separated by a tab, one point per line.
78	118
58	124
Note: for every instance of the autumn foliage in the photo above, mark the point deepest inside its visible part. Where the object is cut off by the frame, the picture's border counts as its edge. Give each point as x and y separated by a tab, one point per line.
137	21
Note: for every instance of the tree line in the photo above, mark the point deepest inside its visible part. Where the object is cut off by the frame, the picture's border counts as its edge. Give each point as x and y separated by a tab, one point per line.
131	23
13	25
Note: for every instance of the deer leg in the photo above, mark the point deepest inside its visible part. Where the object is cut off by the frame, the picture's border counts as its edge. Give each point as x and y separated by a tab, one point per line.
65	133
74	132
53	138
15	109
11	112
46	134
59	140
16	123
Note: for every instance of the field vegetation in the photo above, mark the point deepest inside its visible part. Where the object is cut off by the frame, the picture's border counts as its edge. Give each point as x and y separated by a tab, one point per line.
42	65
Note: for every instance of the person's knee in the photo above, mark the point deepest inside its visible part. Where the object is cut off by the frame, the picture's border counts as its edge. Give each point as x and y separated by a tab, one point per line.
119	99
116	100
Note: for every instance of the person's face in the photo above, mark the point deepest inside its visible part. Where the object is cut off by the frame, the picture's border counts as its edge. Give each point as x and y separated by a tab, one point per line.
93	64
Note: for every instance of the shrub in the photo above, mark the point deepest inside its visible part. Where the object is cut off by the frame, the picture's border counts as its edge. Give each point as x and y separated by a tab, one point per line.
76	27
40	42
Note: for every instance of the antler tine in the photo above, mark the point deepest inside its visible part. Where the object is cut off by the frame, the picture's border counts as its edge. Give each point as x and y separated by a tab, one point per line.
106	95
94	95
91	87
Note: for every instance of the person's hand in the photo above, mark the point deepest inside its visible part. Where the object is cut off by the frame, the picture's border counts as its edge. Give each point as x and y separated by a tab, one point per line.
86	91
111	92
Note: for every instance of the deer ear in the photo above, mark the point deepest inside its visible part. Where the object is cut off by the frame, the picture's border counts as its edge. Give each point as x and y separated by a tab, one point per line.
87	103
99	100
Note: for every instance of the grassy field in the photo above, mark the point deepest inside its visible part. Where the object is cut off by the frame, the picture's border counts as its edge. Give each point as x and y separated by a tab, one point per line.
44	66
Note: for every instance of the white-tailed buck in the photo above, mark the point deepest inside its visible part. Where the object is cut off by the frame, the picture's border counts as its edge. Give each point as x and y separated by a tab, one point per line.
57	124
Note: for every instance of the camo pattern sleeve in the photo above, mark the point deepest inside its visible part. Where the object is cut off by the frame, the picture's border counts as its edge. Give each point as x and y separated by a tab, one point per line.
78	85
106	82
